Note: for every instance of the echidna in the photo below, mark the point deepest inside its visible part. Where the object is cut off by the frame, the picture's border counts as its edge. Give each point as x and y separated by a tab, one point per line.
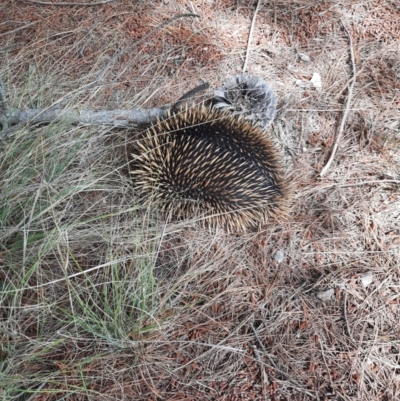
205	159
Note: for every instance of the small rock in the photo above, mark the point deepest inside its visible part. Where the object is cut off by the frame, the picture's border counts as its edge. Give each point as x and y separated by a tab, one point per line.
279	256
304	57
326	296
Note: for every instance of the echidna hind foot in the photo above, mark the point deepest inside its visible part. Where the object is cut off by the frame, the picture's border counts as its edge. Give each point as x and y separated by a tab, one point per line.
205	162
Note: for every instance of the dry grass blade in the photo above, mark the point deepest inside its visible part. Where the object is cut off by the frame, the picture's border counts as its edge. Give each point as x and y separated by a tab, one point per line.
250	36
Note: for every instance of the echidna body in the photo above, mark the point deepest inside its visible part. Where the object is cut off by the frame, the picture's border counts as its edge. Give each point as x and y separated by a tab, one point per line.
203	159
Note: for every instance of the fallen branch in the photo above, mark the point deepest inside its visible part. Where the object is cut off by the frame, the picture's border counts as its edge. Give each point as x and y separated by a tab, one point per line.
117	117
10	119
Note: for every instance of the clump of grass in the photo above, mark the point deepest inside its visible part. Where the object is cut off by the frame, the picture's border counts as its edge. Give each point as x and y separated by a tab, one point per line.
77	255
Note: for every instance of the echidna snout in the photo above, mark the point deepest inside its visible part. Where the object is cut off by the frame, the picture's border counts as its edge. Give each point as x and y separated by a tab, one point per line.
207	160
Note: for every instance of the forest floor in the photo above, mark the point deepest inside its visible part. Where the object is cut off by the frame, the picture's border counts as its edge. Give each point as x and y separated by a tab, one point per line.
102	298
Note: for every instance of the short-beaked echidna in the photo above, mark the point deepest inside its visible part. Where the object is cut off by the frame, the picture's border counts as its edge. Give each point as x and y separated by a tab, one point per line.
206	160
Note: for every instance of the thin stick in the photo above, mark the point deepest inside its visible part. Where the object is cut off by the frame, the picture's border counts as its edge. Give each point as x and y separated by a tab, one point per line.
347	107
253	22
3	109
49	3
345	318
3	98
301	194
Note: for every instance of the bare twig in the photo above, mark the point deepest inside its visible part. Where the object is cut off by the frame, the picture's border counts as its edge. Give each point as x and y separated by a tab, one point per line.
3	98
347	107
3	108
301	194
250	36
49	3
345	318
117	118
